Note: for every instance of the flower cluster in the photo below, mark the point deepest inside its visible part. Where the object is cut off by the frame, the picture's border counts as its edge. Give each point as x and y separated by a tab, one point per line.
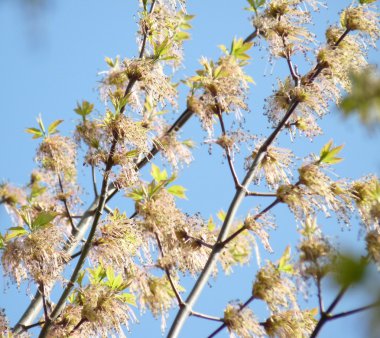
281	24
273	288
148	78
316	253
242	322
373	245
97	309
119	242
292	323
32	256
224	86
275	166
58	154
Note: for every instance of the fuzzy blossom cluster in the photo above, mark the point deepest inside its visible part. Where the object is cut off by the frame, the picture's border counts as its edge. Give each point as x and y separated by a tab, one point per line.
373	245
282	25
275	166
161	218
241	322
316	253
175	151
366	195
292	323
260	228
274	288
154	293
148	78
58	154
11	195
238	251
98	311
119	242
221	86
32	256
315	191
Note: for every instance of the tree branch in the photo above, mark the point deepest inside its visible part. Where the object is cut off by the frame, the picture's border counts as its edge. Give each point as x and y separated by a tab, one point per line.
352	312
325	315
232	210
167	271
203	316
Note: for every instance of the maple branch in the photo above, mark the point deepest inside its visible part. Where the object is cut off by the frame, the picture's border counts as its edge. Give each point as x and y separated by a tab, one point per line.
184	312
203	316
325	315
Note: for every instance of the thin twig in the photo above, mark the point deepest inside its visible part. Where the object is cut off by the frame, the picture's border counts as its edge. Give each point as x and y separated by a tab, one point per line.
27	327
325	315
64	200
320	299
167	271
108	210
261	194
227	148
203	316
199	241
243	228
76	327
352	312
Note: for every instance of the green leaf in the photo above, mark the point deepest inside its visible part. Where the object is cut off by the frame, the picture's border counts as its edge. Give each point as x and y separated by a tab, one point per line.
221	215
52	129
36	132
84	109
211	224
128	298
42	219
157	174
328	153
363	2
41	124
177	190
15	232
2	242
283	263
136	195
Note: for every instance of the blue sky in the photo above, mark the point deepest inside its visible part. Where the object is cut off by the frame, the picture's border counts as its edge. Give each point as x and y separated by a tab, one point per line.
50	59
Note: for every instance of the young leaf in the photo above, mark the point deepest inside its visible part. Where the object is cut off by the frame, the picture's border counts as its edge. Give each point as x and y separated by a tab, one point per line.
283	263
157	174
84	109
177	190
128	298
52	129
15	232
42	219
328	153
36	132
221	215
